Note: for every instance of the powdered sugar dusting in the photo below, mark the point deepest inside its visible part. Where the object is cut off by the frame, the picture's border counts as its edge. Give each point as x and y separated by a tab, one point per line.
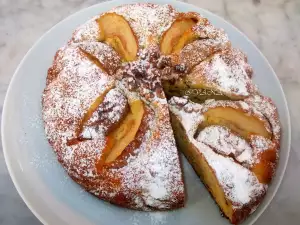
78	83
108	58
154	218
188	111
158	218
89	31
269	110
66	99
261	144
239	184
211	40
154	171
148	174
148	21
224	142
108	114
227	72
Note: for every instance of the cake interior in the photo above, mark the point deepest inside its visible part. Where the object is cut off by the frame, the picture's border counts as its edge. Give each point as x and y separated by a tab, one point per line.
201	167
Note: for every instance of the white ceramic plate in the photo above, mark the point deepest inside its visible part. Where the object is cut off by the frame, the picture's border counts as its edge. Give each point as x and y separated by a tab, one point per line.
42	183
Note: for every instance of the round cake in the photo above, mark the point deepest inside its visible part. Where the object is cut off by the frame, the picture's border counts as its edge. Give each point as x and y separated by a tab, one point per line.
122	97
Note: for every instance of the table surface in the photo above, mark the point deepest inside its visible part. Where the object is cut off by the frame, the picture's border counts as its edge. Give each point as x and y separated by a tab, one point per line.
273	25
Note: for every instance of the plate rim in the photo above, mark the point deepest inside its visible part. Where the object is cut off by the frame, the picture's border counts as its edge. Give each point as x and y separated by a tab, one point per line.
120	2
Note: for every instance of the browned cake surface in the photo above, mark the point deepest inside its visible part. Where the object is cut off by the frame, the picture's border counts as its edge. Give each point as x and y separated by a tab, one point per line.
147	175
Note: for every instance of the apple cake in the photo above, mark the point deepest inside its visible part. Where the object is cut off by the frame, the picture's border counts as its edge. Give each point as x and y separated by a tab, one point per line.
115	110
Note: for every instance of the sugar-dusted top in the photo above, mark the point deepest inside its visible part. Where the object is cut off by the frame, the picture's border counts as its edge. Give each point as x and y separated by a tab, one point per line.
226	71
148	21
101	54
267	107
148	174
107	115
156	168
187	111
211	41
89	31
224	142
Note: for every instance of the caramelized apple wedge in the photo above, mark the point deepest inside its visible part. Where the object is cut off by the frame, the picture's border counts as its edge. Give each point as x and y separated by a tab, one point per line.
172	36
187	37
116	32
194	33
126	132
236	120
88	115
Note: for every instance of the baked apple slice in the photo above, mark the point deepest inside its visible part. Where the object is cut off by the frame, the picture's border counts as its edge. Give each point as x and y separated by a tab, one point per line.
200	31
88	115
237	120
172	36
121	134
186	38
116	32
126	132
